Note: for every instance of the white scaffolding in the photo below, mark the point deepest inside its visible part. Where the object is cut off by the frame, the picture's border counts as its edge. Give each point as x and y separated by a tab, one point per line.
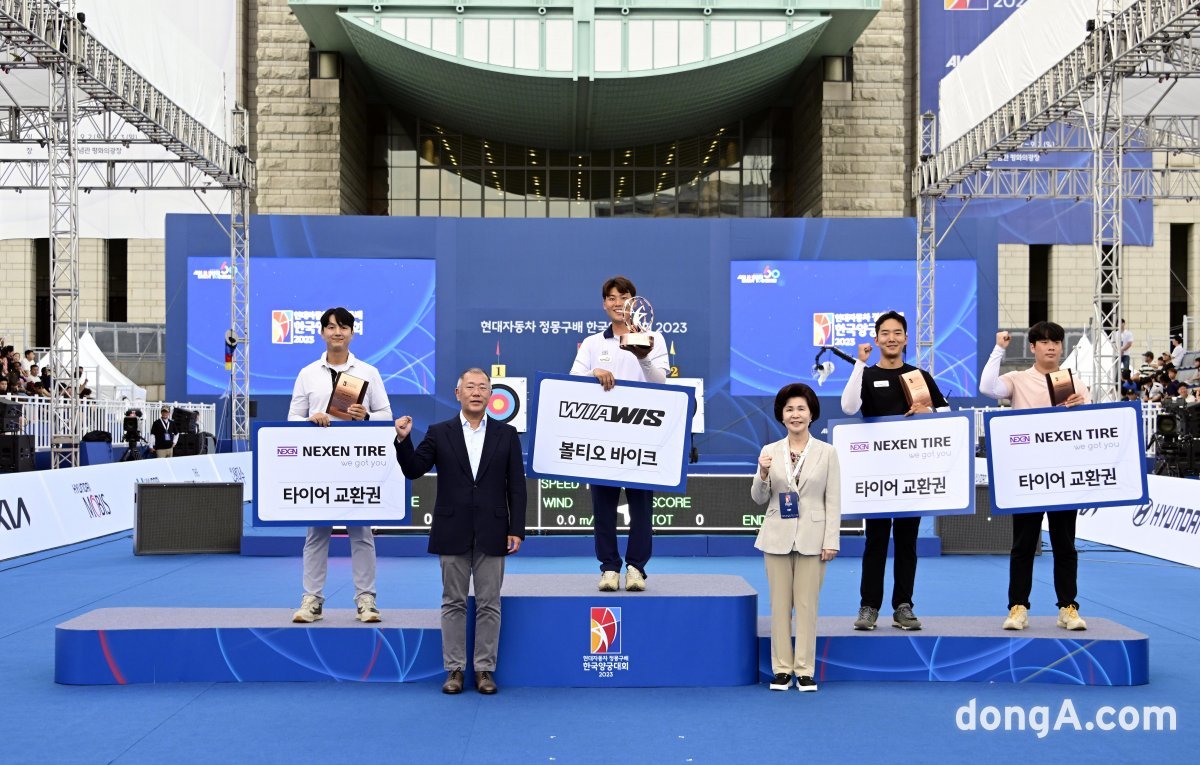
89	82
1079	104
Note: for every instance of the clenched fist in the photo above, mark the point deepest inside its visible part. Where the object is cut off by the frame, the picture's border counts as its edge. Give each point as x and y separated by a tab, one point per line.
764	466
864	352
403	427
1003	339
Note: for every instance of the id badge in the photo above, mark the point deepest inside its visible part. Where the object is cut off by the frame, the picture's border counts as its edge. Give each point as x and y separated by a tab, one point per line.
789	504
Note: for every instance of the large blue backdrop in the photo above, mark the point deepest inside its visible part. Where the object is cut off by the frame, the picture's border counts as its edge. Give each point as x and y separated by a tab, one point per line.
524	293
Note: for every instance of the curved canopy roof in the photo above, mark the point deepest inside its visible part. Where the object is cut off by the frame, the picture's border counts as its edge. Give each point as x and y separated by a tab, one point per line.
586	77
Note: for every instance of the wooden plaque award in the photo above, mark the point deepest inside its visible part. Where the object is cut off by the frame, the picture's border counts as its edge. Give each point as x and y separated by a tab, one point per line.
347	391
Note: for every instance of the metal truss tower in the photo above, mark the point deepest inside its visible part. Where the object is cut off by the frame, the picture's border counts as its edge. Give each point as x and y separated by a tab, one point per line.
66	408
90	83
1077	105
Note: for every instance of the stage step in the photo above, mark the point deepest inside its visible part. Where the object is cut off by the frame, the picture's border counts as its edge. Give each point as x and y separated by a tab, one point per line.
559	631
974	649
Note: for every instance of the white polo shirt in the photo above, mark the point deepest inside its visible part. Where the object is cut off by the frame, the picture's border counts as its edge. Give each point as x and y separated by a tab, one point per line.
603	351
314	386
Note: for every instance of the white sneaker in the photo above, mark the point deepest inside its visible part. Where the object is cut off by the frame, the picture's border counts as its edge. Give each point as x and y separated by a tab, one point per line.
610	581
367	611
309	611
634	581
1018	618
1069	619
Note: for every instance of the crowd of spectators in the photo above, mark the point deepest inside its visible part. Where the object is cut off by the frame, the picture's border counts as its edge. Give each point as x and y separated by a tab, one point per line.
20	375
1162	379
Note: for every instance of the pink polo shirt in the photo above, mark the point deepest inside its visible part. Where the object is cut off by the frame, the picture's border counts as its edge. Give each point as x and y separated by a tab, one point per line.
1030	391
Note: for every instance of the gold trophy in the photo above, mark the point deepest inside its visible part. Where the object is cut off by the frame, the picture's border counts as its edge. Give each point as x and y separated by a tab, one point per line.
639	318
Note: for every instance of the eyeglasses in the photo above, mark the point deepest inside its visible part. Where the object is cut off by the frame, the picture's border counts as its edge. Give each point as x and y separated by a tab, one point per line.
472	387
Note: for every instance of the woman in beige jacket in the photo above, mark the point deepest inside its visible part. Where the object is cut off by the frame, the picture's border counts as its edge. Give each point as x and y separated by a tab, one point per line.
798	479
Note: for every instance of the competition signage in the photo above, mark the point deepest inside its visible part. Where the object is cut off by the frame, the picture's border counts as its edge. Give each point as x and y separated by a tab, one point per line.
1064	459
899	467
1167	526
344	475
636	435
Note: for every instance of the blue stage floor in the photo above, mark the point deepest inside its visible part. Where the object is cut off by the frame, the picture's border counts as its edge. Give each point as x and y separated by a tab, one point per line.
331	722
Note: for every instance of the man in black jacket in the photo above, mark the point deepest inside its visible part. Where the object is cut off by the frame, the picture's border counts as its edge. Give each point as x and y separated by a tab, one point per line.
162	434
478	518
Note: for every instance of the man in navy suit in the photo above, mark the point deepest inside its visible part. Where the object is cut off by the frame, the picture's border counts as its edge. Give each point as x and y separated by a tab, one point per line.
478	518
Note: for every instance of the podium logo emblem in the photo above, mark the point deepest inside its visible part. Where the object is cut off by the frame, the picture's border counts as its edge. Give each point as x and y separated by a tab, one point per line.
281	327
606	629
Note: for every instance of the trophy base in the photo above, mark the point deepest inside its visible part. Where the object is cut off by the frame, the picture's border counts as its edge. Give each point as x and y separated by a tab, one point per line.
636	340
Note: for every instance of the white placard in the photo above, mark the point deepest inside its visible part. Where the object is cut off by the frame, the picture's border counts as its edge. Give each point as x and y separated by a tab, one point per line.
1060	458
341	475
1167	527
906	466
636	435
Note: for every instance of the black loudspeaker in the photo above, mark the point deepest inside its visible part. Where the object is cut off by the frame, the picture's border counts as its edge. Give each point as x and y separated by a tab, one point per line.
179	518
16	453
978	534
10	417
192	444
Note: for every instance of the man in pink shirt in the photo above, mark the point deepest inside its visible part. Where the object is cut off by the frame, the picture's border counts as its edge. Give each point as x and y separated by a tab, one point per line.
1028	389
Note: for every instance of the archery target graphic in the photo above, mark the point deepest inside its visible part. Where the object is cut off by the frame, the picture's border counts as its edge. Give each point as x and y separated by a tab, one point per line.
507	403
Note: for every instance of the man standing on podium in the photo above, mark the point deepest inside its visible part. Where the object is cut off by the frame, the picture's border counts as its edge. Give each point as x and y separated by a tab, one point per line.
878	391
602	356
478	518
310	400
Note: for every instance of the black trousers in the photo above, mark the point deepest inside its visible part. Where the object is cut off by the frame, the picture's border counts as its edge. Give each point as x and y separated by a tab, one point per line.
604	527
1027	535
874	563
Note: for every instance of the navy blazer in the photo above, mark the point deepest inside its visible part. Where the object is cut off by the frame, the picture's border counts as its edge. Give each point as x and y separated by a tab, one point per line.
481	511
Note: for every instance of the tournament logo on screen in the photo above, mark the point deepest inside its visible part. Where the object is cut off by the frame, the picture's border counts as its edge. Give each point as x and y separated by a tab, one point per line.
966	5
606	629
822	328
768	275
281	327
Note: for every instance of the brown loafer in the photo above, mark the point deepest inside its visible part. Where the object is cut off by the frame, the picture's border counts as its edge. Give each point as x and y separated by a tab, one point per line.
454	682
484	683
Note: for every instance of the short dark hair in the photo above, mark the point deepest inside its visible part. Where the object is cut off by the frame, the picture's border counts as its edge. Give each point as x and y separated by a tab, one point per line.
1148	355
797	390
891	315
1046	330
341	315
622	284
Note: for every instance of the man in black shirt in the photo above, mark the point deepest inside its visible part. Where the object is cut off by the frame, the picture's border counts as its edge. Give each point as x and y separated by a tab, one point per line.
877	391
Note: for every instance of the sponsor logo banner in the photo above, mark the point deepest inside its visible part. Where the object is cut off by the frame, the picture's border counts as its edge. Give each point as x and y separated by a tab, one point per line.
1166	526
635	435
1062	459
906	466
309	476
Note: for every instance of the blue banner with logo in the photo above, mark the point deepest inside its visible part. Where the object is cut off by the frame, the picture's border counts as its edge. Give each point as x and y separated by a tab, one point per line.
456	293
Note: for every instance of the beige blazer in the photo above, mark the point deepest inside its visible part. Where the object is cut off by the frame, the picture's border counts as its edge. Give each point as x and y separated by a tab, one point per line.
819	486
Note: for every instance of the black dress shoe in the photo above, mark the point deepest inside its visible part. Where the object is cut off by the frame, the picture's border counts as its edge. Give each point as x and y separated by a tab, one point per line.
484	683
454	682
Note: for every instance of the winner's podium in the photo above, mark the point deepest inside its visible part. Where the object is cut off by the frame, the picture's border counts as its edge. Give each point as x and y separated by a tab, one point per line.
682	631
558	630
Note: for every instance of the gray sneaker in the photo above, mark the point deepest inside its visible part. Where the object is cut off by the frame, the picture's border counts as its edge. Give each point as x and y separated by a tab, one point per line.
904	618
867	617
